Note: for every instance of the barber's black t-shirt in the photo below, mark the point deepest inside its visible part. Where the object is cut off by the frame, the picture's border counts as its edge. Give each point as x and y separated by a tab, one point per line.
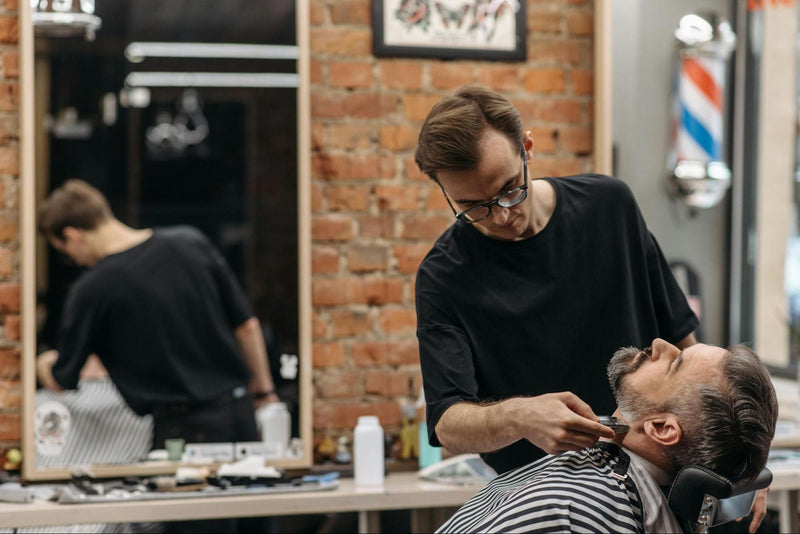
161	317
497	319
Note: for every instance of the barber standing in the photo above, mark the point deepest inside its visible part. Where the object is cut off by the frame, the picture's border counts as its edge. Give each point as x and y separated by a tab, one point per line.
166	316
522	299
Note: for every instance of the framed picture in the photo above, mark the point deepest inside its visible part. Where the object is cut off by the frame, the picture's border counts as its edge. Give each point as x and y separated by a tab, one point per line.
446	29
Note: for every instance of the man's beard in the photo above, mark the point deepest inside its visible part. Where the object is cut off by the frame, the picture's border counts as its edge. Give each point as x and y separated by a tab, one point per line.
624	362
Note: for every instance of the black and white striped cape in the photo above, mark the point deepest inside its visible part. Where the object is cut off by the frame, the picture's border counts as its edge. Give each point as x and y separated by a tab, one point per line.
572	492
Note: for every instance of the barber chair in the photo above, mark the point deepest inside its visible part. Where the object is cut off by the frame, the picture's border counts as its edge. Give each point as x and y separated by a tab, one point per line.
702	499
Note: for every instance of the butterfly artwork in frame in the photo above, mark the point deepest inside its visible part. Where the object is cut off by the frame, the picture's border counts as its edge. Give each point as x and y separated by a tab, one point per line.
450	29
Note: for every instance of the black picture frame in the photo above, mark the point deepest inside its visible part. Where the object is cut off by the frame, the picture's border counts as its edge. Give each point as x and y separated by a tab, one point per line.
446	29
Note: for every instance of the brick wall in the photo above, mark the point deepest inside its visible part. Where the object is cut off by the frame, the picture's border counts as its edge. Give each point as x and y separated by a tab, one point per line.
374	214
10	391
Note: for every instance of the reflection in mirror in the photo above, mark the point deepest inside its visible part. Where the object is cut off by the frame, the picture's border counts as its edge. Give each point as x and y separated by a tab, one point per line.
181	112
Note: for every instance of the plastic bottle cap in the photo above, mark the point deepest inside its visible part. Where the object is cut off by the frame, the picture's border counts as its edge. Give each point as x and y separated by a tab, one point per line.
369	420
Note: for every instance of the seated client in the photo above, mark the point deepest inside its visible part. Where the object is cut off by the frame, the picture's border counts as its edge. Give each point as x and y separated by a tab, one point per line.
704	406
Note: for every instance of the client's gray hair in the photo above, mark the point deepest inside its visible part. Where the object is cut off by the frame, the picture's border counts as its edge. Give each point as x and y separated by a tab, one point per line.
727	427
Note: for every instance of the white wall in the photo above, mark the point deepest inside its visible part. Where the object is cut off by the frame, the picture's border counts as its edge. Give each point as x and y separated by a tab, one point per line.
643	46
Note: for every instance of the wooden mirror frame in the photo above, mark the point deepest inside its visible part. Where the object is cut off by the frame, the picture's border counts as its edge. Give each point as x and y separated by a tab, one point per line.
603	65
28	239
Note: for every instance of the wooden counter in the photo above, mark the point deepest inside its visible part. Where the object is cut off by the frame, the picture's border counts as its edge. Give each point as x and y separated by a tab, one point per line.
400	491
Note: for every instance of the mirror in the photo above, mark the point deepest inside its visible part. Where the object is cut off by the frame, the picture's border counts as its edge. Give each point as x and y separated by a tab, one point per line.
181	112
637	53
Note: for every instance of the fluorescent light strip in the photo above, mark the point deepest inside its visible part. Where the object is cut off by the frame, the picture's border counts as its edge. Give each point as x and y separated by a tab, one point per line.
138	51
210	79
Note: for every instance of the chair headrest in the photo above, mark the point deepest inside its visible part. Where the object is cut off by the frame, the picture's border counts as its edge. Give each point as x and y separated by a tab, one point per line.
693	483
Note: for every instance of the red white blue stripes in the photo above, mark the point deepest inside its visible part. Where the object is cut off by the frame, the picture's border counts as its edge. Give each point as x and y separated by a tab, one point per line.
700	102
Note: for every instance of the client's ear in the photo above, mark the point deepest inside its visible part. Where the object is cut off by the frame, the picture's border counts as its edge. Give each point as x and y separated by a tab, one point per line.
663	429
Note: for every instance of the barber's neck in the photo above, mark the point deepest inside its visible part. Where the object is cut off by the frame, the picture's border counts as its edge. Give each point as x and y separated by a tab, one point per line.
112	237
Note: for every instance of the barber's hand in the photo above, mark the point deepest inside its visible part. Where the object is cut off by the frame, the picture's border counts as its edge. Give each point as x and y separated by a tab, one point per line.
258	402
759	510
558	422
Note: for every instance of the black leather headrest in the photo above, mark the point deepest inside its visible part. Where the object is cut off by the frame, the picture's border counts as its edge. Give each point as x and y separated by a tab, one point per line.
693	483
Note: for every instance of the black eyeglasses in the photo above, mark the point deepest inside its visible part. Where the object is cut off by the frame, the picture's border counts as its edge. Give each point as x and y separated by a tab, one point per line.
509	199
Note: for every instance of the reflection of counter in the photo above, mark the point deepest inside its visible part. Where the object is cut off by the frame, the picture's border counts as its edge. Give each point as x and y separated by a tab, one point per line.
401	491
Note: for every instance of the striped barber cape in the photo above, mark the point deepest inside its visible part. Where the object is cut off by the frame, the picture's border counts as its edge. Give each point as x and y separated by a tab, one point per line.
582	491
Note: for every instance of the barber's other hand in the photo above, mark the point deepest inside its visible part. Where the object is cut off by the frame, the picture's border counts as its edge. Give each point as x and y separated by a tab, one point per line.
263	401
558	422
759	510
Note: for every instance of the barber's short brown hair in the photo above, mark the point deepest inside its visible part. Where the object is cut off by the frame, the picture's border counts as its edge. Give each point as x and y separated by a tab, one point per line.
76	204
450	136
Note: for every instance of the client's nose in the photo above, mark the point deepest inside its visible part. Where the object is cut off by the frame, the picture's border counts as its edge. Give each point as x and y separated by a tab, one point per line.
663	349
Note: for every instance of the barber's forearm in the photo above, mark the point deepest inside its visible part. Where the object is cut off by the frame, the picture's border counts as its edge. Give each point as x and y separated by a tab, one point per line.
468	428
251	344
44	370
687	342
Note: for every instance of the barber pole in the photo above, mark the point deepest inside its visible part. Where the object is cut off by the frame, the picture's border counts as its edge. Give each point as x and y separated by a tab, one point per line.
700	176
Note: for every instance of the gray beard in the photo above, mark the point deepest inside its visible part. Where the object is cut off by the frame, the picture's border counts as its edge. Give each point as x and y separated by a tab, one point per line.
624	362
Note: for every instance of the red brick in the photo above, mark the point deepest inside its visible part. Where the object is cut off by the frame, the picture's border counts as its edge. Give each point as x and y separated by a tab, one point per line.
10	428
435	201
337	384
557	166
350	75
410	256
404	352
545	81
544	21
8	29
577	140
352	105
379	226
582	82
316	73
400	74
350	136
413	172
416	106
6	262
352	167
328	354
324	260
316	12
349	323
317	136
544	140
331	228
9	363
580	22
379	291
12	325
371	353
425	227
316	198
9	160
10	64
397	320
345	415
558	111
451	75
10	5
9	297
342	198
556	52
501	77
9	129
10	395
350	12
319	326
336	291
369	258
397	198
386	383
398	137
341	41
